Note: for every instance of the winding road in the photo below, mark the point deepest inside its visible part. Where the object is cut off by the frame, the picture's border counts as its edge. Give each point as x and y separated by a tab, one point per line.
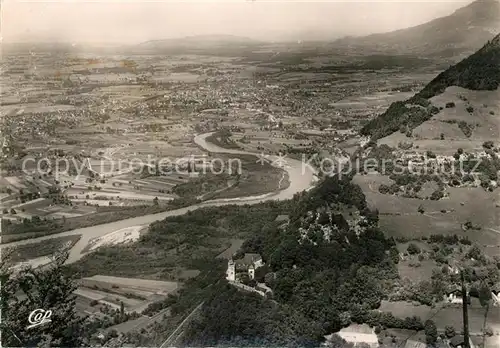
301	176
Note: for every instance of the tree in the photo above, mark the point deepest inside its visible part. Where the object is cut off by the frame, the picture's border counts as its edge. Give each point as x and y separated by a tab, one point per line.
13	211
48	288
394	253
362	345
155	201
244	278
449	331
430	154
474	252
484	294
269	279
413	249
335	341
431	333
260	273
488	144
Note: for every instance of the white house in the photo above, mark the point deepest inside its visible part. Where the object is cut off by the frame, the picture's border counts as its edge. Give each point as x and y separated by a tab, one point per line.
248	264
359	334
495	294
454	296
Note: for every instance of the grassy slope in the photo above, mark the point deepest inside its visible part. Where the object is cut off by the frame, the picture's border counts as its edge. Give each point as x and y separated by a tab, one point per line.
480	71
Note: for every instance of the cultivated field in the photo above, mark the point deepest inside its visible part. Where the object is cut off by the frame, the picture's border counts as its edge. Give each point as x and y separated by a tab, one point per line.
442	133
399	216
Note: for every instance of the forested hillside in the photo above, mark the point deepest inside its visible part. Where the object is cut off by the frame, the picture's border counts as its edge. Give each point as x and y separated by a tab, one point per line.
480	71
331	265
234	318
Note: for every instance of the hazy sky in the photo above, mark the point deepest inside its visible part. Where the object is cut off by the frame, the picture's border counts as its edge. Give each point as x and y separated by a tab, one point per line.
135	21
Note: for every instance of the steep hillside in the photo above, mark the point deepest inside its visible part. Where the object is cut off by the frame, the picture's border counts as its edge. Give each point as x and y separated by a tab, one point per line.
461	32
480	71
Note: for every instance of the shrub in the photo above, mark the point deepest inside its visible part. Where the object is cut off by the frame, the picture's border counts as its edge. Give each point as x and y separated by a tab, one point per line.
470	109
488	331
465	128
431	333
449	331
488	144
450	105
413	249
437	195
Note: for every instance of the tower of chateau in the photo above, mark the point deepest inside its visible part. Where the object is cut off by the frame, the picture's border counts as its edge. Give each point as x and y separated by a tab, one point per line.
231	273
251	272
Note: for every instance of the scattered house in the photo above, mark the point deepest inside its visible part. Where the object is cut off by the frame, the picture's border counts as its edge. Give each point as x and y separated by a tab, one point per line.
248	264
454	296
358	334
452	269
495	294
495	289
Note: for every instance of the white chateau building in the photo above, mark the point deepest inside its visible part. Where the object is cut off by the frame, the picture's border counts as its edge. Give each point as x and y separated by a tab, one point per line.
248	264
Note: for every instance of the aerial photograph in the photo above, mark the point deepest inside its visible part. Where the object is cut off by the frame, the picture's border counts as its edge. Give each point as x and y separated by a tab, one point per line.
250	173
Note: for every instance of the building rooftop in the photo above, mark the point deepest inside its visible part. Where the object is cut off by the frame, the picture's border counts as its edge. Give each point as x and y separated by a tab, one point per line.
248	259
415	344
358	328
457	341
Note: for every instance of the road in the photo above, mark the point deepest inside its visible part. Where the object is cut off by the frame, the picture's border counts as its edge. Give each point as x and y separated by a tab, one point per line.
301	176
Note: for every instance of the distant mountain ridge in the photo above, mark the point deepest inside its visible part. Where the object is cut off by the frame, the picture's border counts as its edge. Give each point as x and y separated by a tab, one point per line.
480	71
461	32
199	42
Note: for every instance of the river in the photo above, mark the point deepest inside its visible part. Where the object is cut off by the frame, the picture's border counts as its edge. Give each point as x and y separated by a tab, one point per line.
301	176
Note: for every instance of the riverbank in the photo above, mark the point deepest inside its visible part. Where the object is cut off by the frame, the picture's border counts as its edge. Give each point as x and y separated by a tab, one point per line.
301	177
